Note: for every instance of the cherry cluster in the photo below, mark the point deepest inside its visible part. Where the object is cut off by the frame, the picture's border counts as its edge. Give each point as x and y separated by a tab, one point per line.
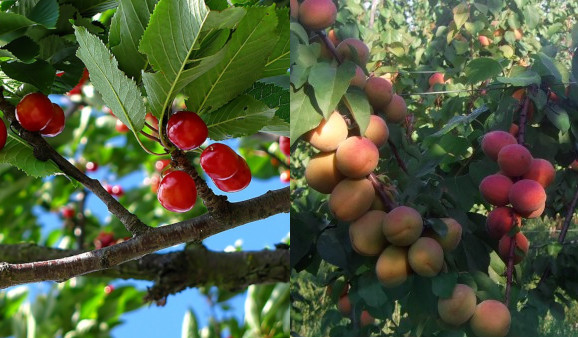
516	191
35	112
230	172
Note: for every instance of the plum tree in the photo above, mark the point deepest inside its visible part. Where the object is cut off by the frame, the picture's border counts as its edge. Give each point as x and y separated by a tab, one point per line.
377	130
344	50
426	257
436	78
453	236
495	189
396	110
366	235
491	319
526	196
329	133
356	157
501	220
494	141
459	307
514	160
522	244
484	41
322	174
379	92
392	267
541	171
317	14
360	79
351	198
402	226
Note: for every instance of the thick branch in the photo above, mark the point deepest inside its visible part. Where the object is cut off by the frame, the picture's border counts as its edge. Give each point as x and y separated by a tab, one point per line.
175	271
397	156
193	230
44	151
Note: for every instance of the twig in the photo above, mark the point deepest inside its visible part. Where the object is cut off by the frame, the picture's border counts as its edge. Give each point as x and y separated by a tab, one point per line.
330	45
149	136
372	13
378	187
397	157
79	231
281	162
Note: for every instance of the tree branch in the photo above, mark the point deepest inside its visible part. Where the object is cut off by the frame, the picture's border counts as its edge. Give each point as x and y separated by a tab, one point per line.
175	271
44	152
192	230
397	157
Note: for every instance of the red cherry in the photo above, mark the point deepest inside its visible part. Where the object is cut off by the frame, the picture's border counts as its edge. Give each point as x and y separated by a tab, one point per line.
155	181
91	166
219	161
103	240
177	191
161	164
116	190
108	289
284	144
187	130
67	212
34	111
239	181
56	124
152	120
121	127
78	88
3	134
59	73
108	188
285	176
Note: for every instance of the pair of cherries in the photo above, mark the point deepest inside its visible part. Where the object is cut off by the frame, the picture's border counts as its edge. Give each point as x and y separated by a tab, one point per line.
229	171
35	112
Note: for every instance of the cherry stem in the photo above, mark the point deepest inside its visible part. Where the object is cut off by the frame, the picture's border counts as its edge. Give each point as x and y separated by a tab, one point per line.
281	162
397	157
149	136
388	203
151	127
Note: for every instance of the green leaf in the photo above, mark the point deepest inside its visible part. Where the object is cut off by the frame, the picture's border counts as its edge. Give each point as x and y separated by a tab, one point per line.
532	15
246	56
544	66
559	117
277	126
24	48
126	29
330	84
119	92
523	79
278	61
45	13
460	120
190	327
356	102
91	7
461	14
241	117
11	26
443	284
304	116
39	74
228	18
20	154
274	96
482	69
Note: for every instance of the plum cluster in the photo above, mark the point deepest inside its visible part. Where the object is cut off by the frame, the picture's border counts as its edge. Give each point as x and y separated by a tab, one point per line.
489	318
516	191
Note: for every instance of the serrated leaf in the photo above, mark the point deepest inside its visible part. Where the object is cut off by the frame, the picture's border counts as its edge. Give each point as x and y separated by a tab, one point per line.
120	93
274	96
356	102
39	74
482	69
126	29
177	22
523	79
460	120
241	117
304	116
330	84
277	126
45	13
247	51
91	7
20	154
11	26
461	14
225	19
278	61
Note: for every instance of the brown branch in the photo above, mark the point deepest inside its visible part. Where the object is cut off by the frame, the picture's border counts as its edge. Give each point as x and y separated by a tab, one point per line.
44	152
192	230
397	157
510	269
193	267
79	229
388	203
330	46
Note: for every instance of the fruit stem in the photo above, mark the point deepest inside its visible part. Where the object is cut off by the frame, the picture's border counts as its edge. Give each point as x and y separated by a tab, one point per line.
510	269
149	136
281	162
523	119
151	127
330	45
378	186
397	157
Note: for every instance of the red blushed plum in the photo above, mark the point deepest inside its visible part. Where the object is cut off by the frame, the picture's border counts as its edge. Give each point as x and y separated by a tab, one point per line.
522	244
34	111
436	78
495	189
377	130
56	124
317	14
187	130
514	160
177	192
356	157
494	141
501	220
527	196
219	161
541	171
239	181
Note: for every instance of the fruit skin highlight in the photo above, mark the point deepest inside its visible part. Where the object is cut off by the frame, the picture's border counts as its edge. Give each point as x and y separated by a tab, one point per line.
219	161
514	160
177	191
34	111
356	157
329	133
495	189
491	319
527	196
187	130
